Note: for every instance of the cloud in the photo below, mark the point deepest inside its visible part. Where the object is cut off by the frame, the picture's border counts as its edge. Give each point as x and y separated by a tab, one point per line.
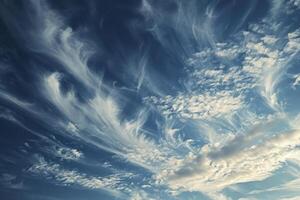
295	3
254	163
65	177
55	39
68	153
297	80
201	106
140	195
98	117
12	99
255	62
212	133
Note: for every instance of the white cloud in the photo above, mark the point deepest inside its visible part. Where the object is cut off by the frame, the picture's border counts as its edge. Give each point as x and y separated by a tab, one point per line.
217	85
62	176
293	45
12	99
290	198
140	195
253	163
202	106
269	39
297	80
98	118
72	128
55	39
295	3
68	153
95	119
254	63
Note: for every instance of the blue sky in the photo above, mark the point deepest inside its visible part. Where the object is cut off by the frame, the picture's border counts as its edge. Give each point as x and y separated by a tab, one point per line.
150	99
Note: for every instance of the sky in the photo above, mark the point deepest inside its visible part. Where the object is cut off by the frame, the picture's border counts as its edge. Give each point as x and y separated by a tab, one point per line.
149	100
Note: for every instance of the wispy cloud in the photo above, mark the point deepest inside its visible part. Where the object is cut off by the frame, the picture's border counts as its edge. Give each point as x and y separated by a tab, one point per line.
225	125
67	177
